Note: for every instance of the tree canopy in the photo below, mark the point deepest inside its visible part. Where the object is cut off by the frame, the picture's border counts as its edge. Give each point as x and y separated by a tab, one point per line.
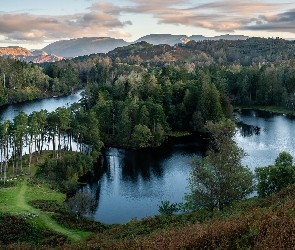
274	178
219	178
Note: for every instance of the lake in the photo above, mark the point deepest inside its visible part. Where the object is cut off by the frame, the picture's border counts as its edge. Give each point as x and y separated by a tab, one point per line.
8	112
263	135
131	184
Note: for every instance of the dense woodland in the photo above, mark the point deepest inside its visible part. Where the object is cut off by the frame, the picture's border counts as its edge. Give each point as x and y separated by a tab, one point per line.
22	81
134	96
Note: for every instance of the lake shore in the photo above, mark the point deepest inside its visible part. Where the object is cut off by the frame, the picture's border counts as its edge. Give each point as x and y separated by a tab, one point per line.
272	109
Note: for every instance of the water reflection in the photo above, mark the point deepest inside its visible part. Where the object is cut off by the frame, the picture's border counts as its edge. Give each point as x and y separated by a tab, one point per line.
133	183
276	134
130	184
247	130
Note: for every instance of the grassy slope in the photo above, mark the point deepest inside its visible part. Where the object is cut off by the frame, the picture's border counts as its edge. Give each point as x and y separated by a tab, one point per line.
15	200
250	224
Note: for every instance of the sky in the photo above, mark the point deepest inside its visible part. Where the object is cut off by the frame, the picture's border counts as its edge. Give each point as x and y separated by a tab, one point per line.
33	24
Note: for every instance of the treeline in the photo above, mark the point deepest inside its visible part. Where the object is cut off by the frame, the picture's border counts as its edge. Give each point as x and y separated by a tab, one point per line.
135	102
265	85
256	71
139	109
227	52
20	81
244	52
66	129
134	110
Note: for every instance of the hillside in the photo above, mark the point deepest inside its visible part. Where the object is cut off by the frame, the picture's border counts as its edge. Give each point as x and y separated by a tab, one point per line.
14	51
244	52
93	45
157	39
251	224
44	57
83	46
37	56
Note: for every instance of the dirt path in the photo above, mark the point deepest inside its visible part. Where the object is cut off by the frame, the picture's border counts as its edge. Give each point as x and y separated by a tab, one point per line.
49	222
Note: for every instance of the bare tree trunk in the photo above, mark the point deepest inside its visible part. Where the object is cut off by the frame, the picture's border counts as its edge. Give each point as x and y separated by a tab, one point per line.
70	140
14	153
5	171
5	160
53	144
21	156
1	163
30	153
4	81
42	142
59	145
38	147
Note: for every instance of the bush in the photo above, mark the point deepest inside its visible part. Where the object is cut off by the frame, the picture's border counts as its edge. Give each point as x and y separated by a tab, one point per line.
63	174
274	178
20	229
168	209
81	204
66	217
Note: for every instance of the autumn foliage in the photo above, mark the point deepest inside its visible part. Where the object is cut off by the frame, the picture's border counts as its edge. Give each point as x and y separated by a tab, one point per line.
256	223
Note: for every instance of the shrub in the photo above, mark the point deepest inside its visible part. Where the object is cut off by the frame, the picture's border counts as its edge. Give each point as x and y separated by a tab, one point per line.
168	209
274	178
20	229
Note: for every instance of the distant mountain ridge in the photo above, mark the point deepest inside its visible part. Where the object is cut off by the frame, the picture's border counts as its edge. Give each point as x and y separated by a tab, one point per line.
93	45
84	46
36	56
14	51
171	40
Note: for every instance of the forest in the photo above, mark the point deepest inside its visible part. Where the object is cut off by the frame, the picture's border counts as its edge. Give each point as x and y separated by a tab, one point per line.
136	96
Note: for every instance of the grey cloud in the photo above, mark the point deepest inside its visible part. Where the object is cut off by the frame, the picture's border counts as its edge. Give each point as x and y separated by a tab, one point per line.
39	28
164	3
97	17
103	18
128	23
284	22
218	15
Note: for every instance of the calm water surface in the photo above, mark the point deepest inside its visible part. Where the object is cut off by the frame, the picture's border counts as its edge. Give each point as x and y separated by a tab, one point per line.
131	184
50	104
264	135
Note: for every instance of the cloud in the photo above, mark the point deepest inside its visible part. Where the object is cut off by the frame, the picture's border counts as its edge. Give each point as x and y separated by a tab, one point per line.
106	8
228	15
102	18
218	15
28	27
283	22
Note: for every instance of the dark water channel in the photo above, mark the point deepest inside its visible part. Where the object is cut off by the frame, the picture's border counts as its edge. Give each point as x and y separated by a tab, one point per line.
131	184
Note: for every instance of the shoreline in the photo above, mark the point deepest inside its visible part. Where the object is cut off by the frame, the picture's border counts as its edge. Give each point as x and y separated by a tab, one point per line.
271	109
